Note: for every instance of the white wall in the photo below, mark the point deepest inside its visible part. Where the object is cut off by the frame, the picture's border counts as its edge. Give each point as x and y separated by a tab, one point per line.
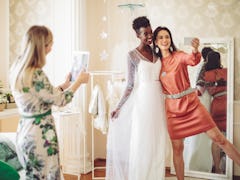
55	14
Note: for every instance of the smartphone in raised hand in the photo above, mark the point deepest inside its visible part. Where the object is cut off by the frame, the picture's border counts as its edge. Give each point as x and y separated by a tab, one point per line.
80	62
188	41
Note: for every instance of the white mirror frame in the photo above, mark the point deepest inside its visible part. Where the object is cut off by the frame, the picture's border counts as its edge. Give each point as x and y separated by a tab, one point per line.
230	89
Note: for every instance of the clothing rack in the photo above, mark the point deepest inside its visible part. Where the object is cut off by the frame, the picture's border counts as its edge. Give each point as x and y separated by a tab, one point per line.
93	74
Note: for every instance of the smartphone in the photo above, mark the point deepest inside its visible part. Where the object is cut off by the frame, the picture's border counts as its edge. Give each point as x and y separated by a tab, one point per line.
188	40
80	62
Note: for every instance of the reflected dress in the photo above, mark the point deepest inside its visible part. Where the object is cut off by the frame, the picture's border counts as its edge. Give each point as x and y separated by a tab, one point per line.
186	116
219	102
137	138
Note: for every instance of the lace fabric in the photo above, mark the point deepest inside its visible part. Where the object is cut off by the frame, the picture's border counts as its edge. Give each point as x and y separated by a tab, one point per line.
132	68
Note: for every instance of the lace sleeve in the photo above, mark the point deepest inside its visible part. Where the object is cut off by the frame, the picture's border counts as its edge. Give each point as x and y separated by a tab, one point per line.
132	65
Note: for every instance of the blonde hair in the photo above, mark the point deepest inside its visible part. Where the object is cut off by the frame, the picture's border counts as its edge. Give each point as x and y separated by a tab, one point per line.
33	56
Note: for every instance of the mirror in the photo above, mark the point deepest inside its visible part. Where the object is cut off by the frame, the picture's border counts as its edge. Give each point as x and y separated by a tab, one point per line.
198	155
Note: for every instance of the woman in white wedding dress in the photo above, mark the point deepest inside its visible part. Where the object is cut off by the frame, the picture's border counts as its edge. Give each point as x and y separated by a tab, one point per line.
137	134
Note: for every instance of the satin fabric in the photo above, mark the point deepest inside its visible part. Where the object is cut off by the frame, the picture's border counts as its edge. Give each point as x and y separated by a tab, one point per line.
186	116
219	104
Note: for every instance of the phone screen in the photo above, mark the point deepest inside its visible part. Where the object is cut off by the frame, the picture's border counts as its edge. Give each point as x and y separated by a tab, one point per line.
80	62
188	40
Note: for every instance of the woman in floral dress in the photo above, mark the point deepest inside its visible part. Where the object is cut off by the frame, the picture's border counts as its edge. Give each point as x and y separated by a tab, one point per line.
36	140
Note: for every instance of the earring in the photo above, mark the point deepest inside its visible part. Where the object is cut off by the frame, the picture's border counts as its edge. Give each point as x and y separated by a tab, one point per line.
171	48
156	49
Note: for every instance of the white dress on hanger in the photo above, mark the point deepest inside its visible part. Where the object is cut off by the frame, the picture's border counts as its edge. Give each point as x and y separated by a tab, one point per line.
137	138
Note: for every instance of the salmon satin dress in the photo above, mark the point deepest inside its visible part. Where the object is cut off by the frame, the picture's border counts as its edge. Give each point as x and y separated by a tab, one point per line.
219	103
186	116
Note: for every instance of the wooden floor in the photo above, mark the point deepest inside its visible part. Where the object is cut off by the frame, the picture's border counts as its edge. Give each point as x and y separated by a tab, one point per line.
99	173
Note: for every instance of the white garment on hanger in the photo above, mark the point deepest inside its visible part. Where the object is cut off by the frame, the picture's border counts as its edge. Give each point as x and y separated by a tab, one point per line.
97	108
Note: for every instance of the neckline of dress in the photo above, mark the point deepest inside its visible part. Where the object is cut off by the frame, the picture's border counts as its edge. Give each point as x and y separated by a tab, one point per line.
146	59
169	56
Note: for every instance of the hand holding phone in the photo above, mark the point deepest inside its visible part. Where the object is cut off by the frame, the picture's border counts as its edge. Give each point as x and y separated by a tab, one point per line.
188	41
80	63
192	41
83	77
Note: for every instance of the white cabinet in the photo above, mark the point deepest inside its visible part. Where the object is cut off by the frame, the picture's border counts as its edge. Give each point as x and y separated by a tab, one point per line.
72	136
71	130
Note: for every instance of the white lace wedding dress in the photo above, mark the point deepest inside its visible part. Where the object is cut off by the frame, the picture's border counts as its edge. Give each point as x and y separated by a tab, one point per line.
137	138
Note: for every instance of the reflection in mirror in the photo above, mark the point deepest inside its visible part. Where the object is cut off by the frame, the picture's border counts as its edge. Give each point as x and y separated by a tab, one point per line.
202	158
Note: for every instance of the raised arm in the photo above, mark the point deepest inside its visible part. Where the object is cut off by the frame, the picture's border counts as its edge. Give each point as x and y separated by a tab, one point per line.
195	57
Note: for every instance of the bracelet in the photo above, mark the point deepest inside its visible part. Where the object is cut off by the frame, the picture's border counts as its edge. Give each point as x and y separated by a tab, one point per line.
60	88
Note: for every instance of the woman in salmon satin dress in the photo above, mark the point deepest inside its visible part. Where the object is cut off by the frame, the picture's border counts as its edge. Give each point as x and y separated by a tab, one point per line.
215	82
186	116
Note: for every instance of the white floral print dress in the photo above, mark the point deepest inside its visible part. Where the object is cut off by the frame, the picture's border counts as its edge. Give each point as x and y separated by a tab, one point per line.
37	144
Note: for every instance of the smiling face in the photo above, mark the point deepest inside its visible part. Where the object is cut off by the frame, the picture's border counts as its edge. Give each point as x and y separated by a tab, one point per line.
145	35
163	40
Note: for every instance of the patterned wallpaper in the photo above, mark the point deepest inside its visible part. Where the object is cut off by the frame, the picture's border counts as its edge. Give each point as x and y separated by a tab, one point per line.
23	14
201	18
